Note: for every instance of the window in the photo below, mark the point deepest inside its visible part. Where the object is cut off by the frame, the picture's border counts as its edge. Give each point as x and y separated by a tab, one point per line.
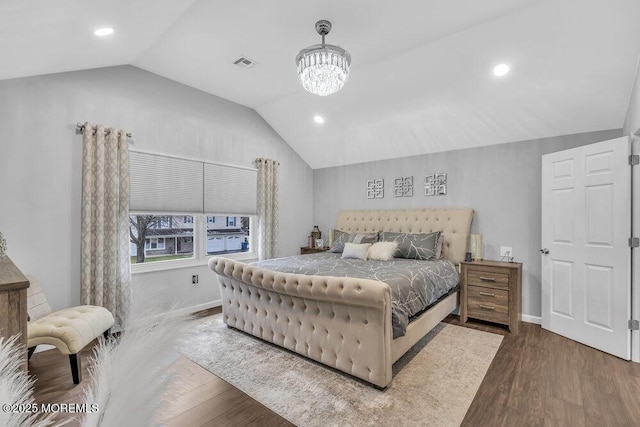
154	243
156	238
160	238
229	239
173	209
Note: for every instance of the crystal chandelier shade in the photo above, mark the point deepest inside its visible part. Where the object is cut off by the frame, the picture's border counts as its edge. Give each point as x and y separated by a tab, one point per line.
323	69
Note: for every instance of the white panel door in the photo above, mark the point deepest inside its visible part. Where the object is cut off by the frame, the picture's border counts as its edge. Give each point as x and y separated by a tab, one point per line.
586	259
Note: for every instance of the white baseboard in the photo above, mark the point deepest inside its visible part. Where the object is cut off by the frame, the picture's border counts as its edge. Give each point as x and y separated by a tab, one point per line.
181	311
195	308
532	319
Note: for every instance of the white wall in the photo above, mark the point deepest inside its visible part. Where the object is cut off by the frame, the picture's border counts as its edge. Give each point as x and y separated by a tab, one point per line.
40	167
502	183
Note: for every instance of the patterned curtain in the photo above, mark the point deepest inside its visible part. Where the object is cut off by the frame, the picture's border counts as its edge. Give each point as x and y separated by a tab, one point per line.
267	208
106	271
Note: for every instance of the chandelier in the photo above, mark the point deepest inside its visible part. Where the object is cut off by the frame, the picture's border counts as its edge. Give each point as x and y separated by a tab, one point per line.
323	68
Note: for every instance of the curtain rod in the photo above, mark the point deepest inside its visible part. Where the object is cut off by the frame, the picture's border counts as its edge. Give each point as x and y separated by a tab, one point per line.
80	128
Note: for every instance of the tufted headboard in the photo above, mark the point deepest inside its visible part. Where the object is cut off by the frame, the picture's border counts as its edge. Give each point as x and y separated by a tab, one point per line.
454	223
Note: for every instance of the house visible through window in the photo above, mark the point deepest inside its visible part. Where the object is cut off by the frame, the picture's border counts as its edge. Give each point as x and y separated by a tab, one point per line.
230	238
164	237
160	237
162	222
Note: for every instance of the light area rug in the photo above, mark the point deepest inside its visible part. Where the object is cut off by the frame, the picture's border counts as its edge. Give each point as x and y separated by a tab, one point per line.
433	384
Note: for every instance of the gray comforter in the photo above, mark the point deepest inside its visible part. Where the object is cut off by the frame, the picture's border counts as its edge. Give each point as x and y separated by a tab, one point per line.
415	284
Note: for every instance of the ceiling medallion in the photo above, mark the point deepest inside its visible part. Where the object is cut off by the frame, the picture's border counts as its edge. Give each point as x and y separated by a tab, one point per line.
323	69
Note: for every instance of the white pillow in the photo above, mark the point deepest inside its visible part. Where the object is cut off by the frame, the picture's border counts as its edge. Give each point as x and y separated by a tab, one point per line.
382	251
355	250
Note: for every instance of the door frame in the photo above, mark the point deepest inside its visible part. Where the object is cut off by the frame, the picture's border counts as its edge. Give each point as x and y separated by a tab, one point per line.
635	252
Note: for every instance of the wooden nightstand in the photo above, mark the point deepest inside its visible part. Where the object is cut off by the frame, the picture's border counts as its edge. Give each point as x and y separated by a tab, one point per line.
491	291
304	250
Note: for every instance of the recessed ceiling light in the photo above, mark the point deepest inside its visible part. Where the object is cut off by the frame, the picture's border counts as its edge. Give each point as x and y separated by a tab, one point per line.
101	32
501	70
318	119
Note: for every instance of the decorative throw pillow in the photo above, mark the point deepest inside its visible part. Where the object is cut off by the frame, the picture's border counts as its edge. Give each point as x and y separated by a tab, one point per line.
413	246
439	243
382	251
340	238
356	250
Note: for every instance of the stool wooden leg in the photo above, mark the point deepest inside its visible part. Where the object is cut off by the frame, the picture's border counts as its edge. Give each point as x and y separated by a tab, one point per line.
76	367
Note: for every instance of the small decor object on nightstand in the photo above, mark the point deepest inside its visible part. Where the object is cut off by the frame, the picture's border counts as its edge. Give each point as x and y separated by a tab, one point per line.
316	233
476	246
319	243
3	245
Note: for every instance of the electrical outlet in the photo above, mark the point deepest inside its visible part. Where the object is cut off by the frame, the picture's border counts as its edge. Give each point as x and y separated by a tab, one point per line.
194	279
506	251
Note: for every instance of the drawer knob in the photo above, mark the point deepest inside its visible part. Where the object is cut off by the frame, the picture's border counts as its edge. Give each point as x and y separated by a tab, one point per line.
487	294
487	307
488	279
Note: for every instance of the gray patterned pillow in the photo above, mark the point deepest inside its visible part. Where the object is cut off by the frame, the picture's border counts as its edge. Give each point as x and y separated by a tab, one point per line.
413	246
439	244
340	238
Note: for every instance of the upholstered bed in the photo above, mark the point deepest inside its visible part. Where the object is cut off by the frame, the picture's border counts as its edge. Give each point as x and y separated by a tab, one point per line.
342	322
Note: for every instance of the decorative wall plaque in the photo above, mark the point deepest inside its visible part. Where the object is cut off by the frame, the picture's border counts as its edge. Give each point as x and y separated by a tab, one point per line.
435	184
375	188
403	186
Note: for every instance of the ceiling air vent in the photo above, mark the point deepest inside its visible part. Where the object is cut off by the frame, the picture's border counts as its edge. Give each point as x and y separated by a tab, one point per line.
245	63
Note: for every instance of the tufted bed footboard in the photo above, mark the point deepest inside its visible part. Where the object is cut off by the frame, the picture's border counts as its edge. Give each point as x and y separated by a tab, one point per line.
341	322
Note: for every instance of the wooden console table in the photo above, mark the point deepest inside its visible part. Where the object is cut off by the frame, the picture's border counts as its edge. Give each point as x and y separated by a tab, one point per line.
13	303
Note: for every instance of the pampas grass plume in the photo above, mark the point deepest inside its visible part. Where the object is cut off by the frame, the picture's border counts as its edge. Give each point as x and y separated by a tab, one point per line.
130	373
16	389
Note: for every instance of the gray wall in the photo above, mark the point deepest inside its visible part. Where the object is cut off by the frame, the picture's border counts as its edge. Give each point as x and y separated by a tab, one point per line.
40	167
500	182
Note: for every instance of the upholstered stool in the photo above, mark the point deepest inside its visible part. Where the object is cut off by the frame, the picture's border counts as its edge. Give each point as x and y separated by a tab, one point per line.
69	330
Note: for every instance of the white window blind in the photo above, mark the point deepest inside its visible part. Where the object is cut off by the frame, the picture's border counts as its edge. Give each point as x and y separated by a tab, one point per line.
163	184
229	189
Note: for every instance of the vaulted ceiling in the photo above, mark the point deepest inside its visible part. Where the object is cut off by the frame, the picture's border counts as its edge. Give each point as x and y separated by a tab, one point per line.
421	74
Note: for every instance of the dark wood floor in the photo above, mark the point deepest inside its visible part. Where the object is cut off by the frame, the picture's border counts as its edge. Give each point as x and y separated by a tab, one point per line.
536	379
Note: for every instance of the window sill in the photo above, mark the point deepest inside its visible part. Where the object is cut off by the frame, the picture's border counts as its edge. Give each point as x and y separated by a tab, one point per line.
187	263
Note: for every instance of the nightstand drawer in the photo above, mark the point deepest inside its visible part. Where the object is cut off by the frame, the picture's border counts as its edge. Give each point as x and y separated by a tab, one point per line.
496	297
488	304
488	278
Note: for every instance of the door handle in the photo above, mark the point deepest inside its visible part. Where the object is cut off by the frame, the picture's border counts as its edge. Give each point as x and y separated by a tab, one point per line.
544	251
